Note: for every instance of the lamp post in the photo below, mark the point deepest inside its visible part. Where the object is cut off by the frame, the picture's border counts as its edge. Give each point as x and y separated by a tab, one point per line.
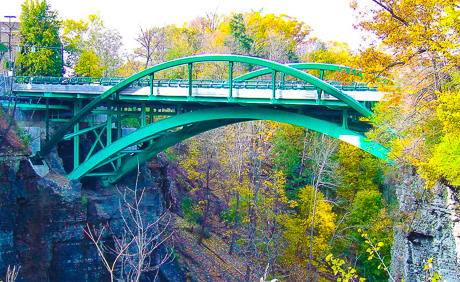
10	27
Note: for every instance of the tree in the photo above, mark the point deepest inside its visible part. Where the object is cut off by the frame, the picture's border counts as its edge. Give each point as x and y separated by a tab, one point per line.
88	65
39	28
74	35
276	37
203	167
269	36
298	232
445	160
106	44
238	30
360	201
140	237
152	42
3	50
92	36
130	67
419	39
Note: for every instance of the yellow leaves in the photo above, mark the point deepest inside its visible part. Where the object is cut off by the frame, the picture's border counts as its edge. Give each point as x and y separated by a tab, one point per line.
298	226
345	273
330	52
430	274
88	65
448	111
413	27
444	158
282	26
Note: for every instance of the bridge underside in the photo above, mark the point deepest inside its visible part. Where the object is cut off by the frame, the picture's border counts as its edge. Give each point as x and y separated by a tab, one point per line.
137	147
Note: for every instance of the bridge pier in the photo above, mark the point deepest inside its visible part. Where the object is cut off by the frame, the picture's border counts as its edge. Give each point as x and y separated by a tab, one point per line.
34	134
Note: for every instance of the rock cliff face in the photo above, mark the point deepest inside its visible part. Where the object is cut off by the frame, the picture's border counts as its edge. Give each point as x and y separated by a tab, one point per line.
42	220
433	231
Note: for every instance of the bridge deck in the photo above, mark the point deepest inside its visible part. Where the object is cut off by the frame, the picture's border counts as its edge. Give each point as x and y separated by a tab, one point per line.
294	94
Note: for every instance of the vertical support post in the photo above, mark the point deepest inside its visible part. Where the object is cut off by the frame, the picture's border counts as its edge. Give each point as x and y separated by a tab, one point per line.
151	115
230	79
119	114
190	68
320	91
152	76
47	120
345	119
143	115
151	110
109	124
76	139
274	84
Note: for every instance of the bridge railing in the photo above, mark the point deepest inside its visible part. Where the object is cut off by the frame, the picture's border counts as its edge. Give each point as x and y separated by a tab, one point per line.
67	80
184	83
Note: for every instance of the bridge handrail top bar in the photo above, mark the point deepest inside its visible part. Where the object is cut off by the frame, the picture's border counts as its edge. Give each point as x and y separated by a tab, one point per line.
208	83
277	67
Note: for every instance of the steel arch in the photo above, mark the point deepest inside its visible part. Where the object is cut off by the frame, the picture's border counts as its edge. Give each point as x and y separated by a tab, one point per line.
274	66
227	114
300	66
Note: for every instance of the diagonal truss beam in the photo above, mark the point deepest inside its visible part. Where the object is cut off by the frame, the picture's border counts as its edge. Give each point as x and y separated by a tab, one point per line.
227	114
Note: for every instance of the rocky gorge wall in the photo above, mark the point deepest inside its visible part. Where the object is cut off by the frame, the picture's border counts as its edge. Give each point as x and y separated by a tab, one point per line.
433	231
42	220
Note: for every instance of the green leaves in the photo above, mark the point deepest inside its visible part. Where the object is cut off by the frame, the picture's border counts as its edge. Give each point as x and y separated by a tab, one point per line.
430	274
344	273
39	28
239	31
445	159
88	65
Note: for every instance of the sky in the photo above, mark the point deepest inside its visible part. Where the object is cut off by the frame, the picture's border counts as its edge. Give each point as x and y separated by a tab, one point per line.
329	19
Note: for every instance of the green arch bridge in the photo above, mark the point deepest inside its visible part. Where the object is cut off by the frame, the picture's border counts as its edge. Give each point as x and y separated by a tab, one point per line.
97	107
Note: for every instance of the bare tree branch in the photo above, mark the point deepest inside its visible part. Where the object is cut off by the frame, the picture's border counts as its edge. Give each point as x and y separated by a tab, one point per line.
391	11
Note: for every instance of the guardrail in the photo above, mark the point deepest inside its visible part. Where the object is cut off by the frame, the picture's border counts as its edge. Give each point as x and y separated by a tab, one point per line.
184	83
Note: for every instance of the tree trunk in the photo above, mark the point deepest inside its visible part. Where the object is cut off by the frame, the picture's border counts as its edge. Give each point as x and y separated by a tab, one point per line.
235	225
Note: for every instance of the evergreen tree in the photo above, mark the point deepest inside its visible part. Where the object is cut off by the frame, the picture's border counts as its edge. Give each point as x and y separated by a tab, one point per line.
39	28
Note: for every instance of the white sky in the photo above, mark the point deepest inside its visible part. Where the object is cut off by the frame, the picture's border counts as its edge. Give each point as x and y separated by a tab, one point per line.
330	19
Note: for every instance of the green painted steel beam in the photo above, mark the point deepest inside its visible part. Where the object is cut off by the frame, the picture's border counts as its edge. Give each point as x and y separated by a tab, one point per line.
63	120
229	113
32	107
76	139
190	60
254	101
